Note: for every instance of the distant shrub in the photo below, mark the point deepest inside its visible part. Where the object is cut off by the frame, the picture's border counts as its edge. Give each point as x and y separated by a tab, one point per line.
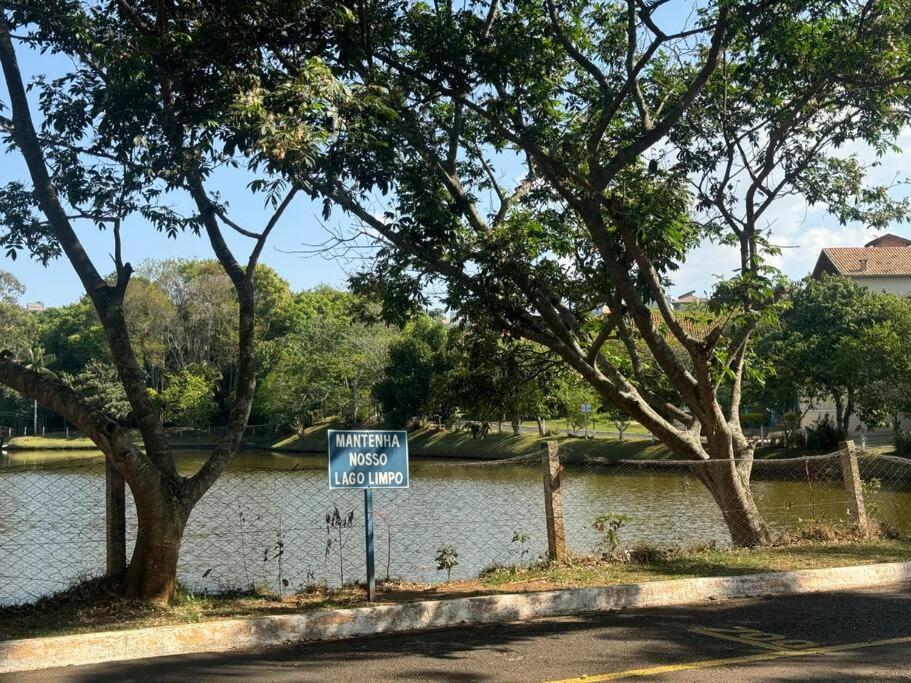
754	420
902	440
824	434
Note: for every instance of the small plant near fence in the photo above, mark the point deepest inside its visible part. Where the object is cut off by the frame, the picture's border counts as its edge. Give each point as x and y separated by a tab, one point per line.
870	488
608	525
337	528
447	558
518	545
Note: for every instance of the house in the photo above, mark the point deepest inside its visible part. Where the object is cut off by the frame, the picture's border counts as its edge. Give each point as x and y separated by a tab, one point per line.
883	264
685	301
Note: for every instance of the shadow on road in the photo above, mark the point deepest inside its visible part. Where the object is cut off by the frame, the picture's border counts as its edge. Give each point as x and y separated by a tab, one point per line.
559	648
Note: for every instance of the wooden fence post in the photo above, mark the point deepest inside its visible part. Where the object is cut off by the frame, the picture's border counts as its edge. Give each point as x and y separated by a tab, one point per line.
553	503
115	520
853	487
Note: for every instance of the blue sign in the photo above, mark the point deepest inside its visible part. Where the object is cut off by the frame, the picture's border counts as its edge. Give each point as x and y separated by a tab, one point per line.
368	459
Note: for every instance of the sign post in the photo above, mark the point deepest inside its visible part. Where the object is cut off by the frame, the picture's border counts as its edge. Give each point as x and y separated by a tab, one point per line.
368	459
586	409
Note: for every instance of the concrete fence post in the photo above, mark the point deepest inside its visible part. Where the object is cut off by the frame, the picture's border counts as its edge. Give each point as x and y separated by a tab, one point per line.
553	504
115	520
853	487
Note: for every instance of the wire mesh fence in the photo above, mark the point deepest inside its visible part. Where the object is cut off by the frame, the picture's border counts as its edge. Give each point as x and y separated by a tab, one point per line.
279	526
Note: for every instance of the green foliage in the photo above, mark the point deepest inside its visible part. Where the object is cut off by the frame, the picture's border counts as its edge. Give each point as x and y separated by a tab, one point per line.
902	440
73	334
619	419
414	379
609	525
519	540
840	341
447	558
754	420
18	328
824	434
187	399
328	365
870	489
99	384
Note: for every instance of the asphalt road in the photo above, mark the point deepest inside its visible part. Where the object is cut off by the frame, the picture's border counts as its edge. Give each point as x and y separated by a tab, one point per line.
828	637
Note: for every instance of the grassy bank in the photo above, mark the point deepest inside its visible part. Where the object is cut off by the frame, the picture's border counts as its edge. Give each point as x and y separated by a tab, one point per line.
93	606
50	443
428	442
441	443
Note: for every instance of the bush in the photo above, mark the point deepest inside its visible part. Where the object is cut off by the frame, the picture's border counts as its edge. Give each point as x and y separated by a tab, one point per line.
754	420
824	435
902	440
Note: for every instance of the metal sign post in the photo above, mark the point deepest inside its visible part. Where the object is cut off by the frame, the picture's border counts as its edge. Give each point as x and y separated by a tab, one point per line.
586	409
368	531
368	459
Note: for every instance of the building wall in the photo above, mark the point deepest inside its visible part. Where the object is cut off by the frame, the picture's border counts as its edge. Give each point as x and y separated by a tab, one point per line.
894	285
856	426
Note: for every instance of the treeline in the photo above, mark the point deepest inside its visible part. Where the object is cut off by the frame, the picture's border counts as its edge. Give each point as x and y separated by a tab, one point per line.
322	353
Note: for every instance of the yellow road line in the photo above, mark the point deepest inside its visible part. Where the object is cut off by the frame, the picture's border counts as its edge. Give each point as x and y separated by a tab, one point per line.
745	659
746	639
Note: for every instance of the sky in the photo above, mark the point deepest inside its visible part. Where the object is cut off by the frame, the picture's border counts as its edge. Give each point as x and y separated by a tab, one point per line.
800	230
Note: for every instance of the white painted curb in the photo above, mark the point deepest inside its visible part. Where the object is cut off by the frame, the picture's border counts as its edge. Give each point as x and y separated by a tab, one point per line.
236	634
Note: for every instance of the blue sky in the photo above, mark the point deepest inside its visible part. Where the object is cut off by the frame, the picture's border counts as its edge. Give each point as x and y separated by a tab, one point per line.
57	284
801	230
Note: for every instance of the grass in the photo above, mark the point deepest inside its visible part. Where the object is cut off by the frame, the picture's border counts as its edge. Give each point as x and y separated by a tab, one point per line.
93	605
51	443
432	442
701	562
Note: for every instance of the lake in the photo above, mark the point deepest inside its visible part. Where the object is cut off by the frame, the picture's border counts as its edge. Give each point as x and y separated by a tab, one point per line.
264	521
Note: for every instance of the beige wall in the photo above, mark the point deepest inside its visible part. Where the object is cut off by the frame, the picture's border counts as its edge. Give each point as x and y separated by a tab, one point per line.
894	285
855	425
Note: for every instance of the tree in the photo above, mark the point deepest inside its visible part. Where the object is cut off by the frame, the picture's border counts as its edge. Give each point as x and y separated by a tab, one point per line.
73	334
149	314
101	389
414	381
37	361
837	341
639	134
138	118
187	399
619	418
17	326
497	378
327	366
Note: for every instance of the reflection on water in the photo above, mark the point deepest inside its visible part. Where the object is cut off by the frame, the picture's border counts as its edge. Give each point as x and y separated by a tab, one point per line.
264	521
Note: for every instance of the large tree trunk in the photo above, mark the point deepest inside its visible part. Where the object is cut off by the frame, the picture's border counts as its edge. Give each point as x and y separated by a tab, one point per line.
152	572
542	426
729	483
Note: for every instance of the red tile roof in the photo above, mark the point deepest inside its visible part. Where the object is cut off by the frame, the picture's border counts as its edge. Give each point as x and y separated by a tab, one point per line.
865	261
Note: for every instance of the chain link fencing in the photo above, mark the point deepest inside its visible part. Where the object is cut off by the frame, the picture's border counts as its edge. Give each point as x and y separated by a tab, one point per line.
278	526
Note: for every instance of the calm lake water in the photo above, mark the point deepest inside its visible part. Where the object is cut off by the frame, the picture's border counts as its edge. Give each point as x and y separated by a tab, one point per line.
264	521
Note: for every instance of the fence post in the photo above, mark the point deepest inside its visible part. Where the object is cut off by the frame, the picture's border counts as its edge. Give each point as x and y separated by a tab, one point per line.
853	488
553	503
115	520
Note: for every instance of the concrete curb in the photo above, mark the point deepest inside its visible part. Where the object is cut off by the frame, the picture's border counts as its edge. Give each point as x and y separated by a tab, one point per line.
236	634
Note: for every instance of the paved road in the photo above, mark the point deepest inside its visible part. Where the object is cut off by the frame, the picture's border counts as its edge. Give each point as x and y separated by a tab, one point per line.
838	636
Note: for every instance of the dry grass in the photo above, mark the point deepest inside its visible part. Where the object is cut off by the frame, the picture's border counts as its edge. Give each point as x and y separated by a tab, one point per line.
94	605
